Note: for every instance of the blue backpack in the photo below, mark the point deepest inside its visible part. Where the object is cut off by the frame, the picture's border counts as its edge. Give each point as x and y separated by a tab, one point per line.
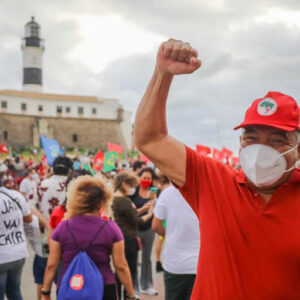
82	280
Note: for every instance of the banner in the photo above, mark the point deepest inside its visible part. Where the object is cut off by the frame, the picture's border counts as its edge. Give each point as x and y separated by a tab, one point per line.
226	152
111	147
52	149
98	160
204	150
3	149
235	161
88	168
99	157
76	165
217	154
110	161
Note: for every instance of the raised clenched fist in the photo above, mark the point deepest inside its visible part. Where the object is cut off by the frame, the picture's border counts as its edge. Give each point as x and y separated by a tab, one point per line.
177	57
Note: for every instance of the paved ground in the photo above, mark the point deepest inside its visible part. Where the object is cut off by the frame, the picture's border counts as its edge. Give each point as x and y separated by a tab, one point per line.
158	285
29	289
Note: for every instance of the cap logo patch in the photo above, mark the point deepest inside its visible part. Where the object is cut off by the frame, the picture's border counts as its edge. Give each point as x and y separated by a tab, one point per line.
267	107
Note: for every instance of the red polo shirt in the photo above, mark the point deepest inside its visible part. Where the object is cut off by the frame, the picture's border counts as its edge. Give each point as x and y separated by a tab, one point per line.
249	249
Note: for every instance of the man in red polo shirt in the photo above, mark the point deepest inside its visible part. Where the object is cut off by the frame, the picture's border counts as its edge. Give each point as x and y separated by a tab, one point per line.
249	219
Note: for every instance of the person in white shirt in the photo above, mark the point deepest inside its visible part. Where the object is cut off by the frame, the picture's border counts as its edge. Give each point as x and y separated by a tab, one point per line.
28	184
13	212
50	193
182	236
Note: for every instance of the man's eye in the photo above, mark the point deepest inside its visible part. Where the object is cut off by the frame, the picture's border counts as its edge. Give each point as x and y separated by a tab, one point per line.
250	138
277	142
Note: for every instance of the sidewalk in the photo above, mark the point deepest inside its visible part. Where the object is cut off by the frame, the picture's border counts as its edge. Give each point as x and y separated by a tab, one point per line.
159	286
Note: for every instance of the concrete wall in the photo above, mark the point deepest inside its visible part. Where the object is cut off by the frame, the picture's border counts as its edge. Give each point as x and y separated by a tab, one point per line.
126	128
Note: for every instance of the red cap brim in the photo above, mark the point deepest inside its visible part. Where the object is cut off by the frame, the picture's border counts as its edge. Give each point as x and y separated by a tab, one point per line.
282	127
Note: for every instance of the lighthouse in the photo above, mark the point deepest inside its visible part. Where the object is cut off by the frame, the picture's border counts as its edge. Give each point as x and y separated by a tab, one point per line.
33	49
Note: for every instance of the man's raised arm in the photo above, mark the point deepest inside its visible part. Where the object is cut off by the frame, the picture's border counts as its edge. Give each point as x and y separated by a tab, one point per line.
151	132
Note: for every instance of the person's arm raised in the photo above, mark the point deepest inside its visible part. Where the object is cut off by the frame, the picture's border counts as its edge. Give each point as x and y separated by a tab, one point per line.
151	133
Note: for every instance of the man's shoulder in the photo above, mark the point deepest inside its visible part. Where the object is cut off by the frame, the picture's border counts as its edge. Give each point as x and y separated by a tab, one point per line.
11	193
170	191
25	180
45	182
54	179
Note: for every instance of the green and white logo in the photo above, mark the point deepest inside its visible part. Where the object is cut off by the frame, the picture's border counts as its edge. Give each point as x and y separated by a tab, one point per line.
267	107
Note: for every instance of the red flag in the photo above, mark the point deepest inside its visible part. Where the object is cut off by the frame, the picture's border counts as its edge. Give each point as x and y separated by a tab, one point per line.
111	147
235	161
45	160
3	149
218	155
226	152
98	157
204	150
98	161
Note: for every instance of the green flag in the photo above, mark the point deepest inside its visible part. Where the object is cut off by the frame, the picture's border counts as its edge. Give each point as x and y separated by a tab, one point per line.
110	161
88	168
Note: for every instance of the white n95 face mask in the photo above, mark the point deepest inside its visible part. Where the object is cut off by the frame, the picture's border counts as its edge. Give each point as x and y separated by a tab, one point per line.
131	191
262	164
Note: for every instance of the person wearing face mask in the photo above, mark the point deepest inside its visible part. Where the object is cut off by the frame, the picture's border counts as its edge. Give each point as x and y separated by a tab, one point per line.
143	196
125	215
28	184
249	218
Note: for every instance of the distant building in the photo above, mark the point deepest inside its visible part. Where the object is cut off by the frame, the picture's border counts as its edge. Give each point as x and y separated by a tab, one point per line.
75	121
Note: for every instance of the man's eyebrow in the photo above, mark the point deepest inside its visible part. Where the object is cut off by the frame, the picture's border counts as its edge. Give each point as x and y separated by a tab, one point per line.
249	130
281	133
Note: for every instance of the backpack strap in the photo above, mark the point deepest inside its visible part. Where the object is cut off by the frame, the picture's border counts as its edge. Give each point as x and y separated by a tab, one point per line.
13	199
91	242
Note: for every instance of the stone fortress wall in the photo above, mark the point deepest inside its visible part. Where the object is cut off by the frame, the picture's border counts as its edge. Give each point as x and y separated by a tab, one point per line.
24	130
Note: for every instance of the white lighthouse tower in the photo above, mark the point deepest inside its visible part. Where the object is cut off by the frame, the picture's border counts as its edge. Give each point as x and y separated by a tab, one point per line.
33	49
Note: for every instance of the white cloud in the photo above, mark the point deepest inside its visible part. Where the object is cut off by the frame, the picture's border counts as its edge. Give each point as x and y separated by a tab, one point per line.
278	15
106	38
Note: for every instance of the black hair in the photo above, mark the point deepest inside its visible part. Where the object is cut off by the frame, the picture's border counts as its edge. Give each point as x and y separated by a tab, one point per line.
137	165
163	179
149	170
62	165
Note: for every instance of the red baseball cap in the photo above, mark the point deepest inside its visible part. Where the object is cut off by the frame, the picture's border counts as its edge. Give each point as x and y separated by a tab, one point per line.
275	110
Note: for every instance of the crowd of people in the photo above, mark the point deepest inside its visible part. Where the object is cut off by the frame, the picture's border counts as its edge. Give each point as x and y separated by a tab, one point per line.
108	215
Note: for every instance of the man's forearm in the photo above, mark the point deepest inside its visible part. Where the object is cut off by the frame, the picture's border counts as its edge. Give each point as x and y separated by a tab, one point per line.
150	122
157	226
160	231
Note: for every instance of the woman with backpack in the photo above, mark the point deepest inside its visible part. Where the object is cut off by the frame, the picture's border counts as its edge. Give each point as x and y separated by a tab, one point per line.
85	235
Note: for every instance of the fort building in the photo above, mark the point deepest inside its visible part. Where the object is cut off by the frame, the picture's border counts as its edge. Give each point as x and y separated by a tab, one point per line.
73	120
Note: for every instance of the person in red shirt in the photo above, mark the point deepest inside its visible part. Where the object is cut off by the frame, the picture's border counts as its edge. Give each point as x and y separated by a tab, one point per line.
249	218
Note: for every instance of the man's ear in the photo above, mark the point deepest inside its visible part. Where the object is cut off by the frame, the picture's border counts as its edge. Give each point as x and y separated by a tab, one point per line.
298	151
